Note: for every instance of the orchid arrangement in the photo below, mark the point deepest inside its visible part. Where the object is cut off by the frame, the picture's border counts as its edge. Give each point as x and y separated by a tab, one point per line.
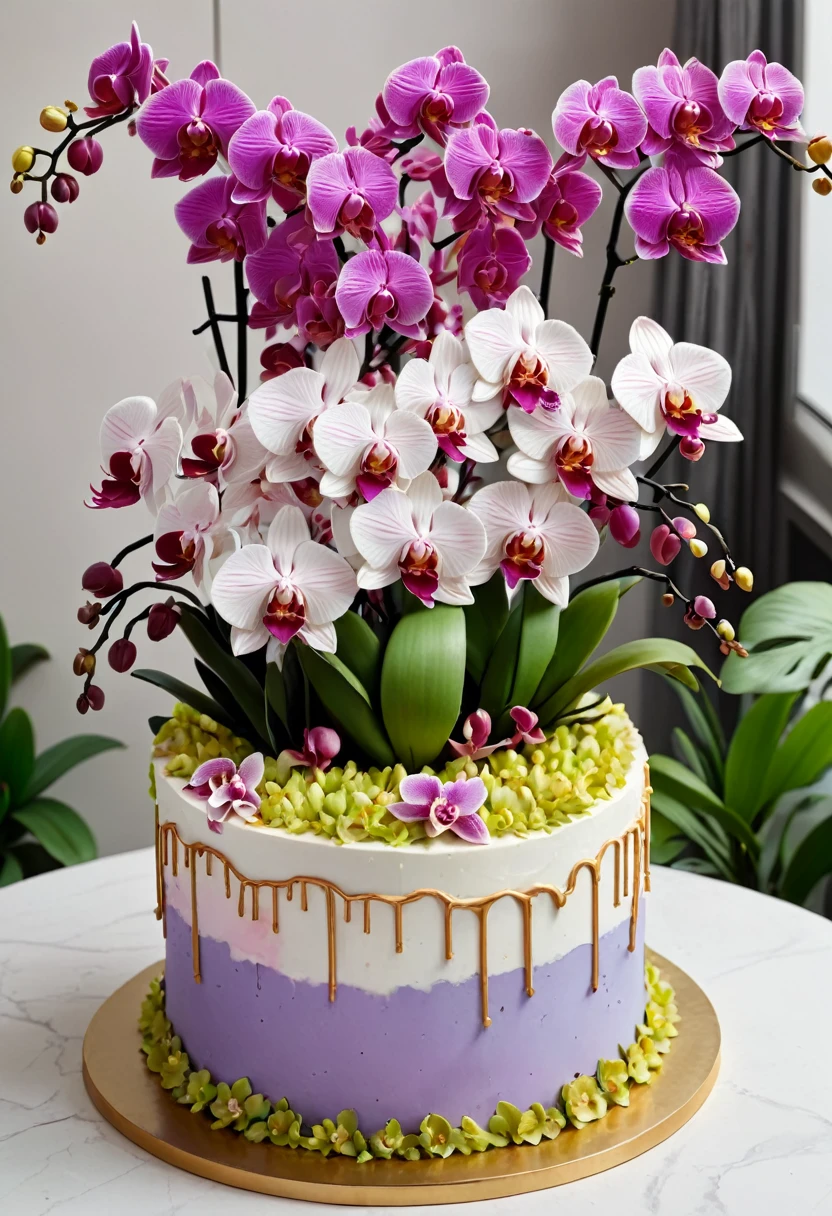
354	566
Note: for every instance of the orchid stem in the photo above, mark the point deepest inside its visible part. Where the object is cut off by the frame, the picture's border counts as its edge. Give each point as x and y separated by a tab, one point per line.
665	456
448	240
656	576
241	295
546	275
121	596
798	165
614	260
213	322
137	544
404	181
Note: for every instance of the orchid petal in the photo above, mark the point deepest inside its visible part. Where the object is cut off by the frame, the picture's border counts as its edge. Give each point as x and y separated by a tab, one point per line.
471	828
340	368
459	537
281	408
528	469
162	115
162	449
341	435
638	390
525	309
723	430
249	641
703	373
320	637
421	788
125	424
287	532
242	586
251	770
446	355
568	357
325	579
413	440
571	540
409	812
424	496
219	767
648	338
495	341
618	483
466	795
381	528
416	387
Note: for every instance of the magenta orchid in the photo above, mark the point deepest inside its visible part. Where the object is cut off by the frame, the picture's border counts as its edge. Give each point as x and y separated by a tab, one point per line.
476	731
227	790
760	96
120	77
492	262
494	173
219	229
528	730
321	745
140	446
272	151
384	287
435	93
684	110
189	124
564	205
291	265
350	191
691	211
452	805
600	120
318	316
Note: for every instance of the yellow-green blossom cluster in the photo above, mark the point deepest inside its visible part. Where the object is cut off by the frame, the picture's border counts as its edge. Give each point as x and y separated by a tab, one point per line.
538	788
582	1101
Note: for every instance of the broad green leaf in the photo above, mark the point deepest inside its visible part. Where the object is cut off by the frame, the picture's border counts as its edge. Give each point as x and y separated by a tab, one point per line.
704	834
583	625
788	634
666	840
421	683
359	649
24	656
484	622
752	749
221	693
670	777
689	754
181	691
676	672
244	687
61	757
811	862
348	703
17	753
276	693
5	668
804	755
33	858
10	870
521	656
60	830
646	652
705	724
499	672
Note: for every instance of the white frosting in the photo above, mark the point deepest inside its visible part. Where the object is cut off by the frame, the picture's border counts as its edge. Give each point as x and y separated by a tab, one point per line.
370	961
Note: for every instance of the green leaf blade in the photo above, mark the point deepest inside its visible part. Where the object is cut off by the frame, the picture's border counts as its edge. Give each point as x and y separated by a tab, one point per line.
804	755
17	753
484	622
181	691
811	862
788	634
348	703
64	756
60	830
24	656
359	649
243	685
670	777
752	748
583	625
5	668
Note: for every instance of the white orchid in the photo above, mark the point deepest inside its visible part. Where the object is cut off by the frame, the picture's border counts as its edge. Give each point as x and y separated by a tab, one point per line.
140	446
414	535
290	586
224	446
189	532
533	533
283	411
368	445
587	442
439	390
522	357
675	386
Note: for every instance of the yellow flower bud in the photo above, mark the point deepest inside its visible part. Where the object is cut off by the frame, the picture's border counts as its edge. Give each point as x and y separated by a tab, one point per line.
744	578
71	106
52	118
820	149
822	186
23	158
726	630
718	569
703	512
698	548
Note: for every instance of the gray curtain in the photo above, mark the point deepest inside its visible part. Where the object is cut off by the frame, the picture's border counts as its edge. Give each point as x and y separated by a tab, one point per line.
745	310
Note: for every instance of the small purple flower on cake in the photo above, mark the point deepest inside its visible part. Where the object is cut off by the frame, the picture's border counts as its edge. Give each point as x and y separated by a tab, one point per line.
321	745
453	805
228	790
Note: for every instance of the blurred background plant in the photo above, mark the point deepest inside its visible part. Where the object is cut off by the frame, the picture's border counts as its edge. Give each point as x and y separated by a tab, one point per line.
756	809
37	832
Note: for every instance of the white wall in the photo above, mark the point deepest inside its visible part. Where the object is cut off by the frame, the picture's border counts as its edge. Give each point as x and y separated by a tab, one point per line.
105	308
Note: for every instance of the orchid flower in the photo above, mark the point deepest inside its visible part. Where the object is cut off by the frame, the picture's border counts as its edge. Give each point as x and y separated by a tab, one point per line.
693	211
675	386
350	191
431	545
284	411
453	805
321	745
318	316
762	96
250	506
528	731
219	229
290	265
383	287
564	205
187	533
683	110
439	389
435	93
588	444
523	357
289	586
228	790
224	447
367	445
271	153
475	731
533	533
601	120
120	76
492	262
190	123
494	173
140	446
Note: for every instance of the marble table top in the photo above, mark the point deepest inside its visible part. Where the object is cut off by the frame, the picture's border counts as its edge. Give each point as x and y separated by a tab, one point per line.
761	1144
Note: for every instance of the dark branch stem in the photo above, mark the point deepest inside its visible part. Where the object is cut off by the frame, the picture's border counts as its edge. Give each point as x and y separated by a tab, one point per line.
141	616
546	274
665	456
220	316
94	127
120	598
406	146
241	296
655	576
614	260
137	544
666	491
213	322
404	181
797	165
338	246
448	240
741	147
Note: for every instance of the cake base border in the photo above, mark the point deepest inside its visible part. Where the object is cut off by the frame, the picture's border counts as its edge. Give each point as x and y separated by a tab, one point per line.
131	1099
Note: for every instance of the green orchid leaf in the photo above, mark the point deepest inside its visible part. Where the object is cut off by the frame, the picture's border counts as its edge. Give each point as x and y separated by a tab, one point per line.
276	693
219	690
60	830
17	753
752	749
803	756
811	862
688	753
60	758
666	840
347	701
33	857
181	691
523	651
244	687
672	778
25	656
156	722
360	649
583	625
10	870
421	682
705	724
706	834
788	635
5	668
484	622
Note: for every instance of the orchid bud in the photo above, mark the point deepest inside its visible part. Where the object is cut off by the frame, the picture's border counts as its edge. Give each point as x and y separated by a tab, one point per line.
82	704
88	614
85	155
23	158
685	527
704	607
71	106
726	630
122	654
625	525
691	449
744	578
53	118
702	512
95	696
692	619
102	579
698	548
720	575
668	599
820	149
64	188
84	663
279	358
664	545
162	620
40	218
822	186
16	184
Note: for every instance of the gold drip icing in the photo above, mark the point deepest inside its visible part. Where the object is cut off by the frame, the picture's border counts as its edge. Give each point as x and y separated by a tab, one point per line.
168	841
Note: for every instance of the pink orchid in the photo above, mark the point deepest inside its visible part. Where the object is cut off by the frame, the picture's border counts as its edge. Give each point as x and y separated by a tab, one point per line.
419	222
664	545
379	288
376	136
564	205
453	805
762	96
278	358
683	110
435	93
533	533
494	173
321	745
528	731
224	446
272	151
187	533
140	446
350	191
475	731
692	211
601	120
288	267
492	263
319	319
190	123
420	164
227	790
120	77
218	228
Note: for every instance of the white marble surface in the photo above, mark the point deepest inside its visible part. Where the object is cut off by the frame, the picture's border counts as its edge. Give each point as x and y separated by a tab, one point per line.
761	1144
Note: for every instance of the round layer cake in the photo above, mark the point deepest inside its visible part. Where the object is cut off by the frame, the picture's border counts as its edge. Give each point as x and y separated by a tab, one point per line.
440	977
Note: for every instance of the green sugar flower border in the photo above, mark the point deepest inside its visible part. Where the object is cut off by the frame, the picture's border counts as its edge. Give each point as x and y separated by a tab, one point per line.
582	1101
538	789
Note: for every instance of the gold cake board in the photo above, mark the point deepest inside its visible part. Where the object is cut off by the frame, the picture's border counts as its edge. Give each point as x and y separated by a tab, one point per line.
131	1098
